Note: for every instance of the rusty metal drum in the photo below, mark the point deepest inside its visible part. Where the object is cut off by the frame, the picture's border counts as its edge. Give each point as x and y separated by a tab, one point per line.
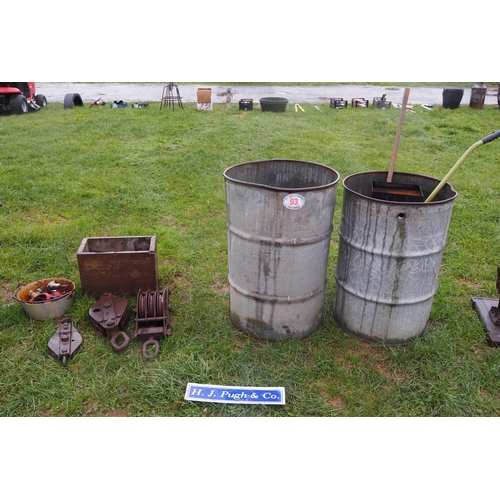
389	259
279	223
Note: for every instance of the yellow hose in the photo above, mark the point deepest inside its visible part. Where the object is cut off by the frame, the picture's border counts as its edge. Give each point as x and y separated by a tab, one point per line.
452	171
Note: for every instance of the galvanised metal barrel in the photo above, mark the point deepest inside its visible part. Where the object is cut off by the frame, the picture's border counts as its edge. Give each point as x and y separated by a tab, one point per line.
389	258
279	222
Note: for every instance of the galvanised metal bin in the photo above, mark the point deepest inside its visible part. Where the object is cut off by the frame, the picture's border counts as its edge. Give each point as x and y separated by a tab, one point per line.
279	222
389	258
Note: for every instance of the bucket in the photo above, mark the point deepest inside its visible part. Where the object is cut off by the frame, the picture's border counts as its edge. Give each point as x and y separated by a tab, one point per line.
45	310
279	223
276	104
389	258
452	98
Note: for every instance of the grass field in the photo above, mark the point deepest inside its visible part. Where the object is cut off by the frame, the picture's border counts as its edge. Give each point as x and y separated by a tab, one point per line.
71	174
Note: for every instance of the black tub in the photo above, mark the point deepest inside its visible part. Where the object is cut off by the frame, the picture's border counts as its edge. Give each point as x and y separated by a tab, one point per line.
452	98
276	104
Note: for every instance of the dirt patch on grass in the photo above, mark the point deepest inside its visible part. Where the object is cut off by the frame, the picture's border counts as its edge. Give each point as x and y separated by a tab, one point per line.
369	355
240	341
220	287
90	410
470	284
336	401
45	219
168	221
7	295
183	287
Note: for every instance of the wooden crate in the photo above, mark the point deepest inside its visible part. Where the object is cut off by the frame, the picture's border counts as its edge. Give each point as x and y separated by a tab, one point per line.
119	265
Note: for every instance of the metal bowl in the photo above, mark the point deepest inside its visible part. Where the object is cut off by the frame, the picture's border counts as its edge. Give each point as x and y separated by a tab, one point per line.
45	310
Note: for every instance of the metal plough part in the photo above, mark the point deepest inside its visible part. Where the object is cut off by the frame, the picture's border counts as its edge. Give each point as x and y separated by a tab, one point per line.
495	310
109	316
65	342
488	310
152	320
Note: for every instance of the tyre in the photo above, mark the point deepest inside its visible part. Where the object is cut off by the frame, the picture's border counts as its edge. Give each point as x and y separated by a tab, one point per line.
41	100
70	99
19	105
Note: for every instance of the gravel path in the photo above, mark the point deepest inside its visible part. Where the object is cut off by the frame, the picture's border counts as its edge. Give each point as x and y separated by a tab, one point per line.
133	92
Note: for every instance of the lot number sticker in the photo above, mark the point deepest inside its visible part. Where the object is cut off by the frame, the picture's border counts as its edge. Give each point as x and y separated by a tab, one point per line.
294	201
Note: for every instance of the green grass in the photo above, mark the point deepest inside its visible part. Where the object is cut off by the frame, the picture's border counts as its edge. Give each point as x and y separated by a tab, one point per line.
71	174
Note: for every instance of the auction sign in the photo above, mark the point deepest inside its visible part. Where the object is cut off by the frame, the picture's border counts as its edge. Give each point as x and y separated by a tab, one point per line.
235	394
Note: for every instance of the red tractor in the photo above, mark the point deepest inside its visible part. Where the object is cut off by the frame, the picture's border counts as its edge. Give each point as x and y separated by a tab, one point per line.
20	97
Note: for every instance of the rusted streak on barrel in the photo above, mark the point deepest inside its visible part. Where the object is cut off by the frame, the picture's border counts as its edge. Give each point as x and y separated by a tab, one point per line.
389	259
279	222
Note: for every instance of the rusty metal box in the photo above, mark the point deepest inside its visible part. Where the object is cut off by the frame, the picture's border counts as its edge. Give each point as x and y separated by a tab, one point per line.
118	265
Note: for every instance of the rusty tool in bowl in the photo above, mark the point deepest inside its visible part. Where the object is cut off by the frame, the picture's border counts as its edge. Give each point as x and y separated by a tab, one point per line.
388	190
489	138
48	292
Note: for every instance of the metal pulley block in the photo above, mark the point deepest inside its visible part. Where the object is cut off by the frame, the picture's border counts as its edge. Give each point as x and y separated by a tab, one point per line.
109	315
65	342
152	321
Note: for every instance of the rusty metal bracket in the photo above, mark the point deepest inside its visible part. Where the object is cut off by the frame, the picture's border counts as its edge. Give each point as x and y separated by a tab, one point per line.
495	311
152	322
109	315
495	314
489	311
64	344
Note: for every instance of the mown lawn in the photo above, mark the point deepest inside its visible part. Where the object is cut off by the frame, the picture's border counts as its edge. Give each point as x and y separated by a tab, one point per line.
71	174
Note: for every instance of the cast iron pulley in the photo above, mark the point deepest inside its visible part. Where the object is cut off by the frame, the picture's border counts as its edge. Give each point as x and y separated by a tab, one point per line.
152	320
109	315
65	342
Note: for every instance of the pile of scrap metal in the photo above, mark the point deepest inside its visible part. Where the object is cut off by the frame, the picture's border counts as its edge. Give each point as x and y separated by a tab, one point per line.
97	102
113	270
381	102
110	314
359	103
47	292
118	104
